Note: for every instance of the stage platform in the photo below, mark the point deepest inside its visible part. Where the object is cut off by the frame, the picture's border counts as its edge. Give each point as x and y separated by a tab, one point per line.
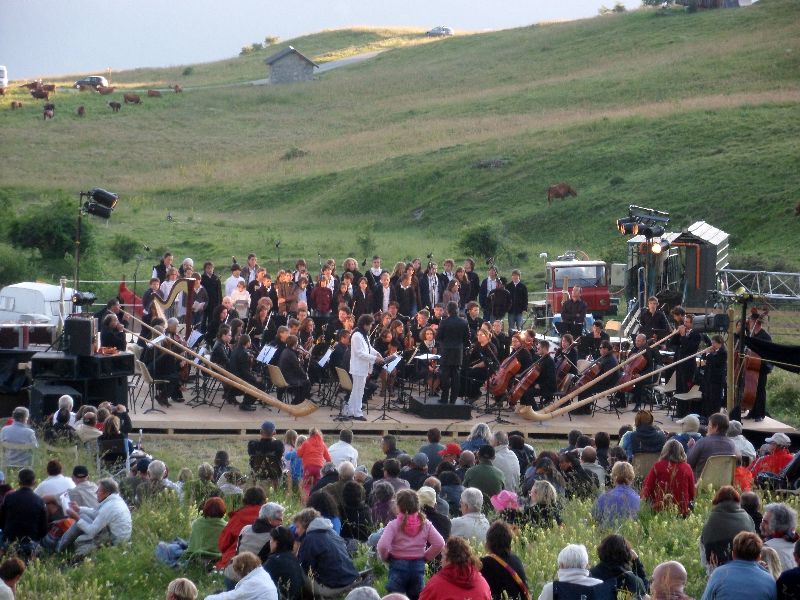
181	420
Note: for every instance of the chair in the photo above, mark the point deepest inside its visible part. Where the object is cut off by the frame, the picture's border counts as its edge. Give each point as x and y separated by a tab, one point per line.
717	471
136	350
582	365
345	384
612	328
277	378
643	462
563	590
665	391
115	446
22	460
684	402
150	383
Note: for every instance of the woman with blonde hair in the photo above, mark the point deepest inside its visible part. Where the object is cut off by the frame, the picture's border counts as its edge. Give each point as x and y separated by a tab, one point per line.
620	502
544	507
671	481
254	582
181	589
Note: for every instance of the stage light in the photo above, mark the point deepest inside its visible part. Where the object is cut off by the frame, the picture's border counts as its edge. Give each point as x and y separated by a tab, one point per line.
652	231
659	246
102	202
628	226
710	323
83	298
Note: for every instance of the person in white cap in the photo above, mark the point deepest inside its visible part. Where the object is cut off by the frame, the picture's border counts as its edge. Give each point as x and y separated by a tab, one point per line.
778	457
743	445
690	430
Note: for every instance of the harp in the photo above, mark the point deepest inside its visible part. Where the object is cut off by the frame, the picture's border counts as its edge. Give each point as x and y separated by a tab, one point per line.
185	286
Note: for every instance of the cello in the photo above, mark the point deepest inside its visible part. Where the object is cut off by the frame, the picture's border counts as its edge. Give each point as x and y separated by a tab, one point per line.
563	380
498	382
632	370
526	381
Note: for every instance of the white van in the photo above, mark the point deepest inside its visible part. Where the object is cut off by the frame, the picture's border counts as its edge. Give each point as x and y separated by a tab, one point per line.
30	302
3	77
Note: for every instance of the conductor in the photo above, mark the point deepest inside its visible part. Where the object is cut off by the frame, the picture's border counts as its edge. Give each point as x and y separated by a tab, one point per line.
451	338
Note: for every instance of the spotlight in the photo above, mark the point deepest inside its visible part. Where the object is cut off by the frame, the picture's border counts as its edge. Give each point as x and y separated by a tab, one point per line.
659	246
102	202
627	226
83	298
652	231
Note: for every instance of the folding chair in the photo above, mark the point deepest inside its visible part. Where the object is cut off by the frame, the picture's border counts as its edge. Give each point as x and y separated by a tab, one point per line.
115	447
22	460
149	384
277	379
688	402
717	471
664	391
643	462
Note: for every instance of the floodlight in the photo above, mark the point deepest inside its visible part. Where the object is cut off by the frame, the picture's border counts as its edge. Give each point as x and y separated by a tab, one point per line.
659	246
83	298
652	231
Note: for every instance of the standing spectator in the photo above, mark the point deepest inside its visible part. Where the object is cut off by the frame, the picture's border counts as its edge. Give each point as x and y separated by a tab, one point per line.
23	515
343	449
715	443
266	456
460	576
725	520
11	571
501	569
18	432
670	481
621	501
314	454
778	528
742	573
789	581
56	483
283	566
506	460
519	301
472	524
573	563
407	543
619	562
669	581
433	448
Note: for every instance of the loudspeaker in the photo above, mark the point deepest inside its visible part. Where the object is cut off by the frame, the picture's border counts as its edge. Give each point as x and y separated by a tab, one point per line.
431	409
54	365
113	389
106	365
710	323
44	399
79	335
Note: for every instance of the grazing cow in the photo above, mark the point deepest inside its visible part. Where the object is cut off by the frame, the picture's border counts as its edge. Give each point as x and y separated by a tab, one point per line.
49	106
105	91
40	94
2	91
49	87
153	94
81	111
33	85
132	98
114	106
15	105
560	190
178	89
47	114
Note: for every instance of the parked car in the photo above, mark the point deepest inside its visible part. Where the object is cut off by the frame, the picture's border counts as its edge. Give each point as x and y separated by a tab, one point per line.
440	31
3	77
92	80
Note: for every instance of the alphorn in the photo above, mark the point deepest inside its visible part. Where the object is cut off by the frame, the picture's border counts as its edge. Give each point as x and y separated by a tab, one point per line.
214	370
567	397
528	413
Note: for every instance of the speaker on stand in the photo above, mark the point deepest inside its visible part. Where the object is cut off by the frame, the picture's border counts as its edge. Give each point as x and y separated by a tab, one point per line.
79	335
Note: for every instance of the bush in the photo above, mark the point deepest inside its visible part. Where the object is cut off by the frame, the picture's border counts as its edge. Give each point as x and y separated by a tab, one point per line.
271	40
479	240
366	243
14	266
293	153
246	50
51	229
124	247
188	71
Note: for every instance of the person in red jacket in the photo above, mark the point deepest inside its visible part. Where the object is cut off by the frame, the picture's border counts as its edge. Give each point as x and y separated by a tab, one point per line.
671	481
460	576
314	453
254	497
778	457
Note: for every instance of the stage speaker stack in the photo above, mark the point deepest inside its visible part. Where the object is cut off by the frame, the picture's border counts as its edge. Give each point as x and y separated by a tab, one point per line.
431	409
54	365
44	399
79	335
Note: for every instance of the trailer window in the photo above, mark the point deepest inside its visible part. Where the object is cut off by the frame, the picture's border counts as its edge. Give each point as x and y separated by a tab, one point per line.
7	303
582	276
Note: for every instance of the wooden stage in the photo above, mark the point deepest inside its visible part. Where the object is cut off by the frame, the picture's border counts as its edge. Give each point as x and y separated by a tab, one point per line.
181	419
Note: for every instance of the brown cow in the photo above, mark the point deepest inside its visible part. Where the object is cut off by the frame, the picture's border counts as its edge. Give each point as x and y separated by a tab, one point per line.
153	94
2	91
47	114
104	91
82	87
178	89
560	190
49	106
81	111
15	105
131	98
33	85
48	87
40	94
114	106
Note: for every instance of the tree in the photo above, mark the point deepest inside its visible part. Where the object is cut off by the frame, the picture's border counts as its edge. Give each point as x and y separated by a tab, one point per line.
51	229
271	40
124	247
479	240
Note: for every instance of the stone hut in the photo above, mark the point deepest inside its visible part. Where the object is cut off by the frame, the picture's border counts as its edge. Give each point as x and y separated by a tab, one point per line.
289	66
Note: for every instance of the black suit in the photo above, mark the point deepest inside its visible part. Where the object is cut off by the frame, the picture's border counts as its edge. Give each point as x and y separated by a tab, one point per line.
714	380
759	410
213	287
425	290
546	383
23	515
294	375
451	338
684	372
378	294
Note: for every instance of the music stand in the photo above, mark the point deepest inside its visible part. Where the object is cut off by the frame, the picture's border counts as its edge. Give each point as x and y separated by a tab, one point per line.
388	367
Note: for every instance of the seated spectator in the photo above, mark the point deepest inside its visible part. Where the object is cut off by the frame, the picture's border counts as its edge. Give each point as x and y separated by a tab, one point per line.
742	573
460	576
742	477
181	589
452	489
87	430
427	502
450	455
55	483
130	485
778	528
506	460
65	405
573	562
669	581
579	482
788	582
507	506
602	444
368	593
472	525
442	506
770	561
109	523
645	437
778	457
323	555
715	443
355	515
751	504
524	453
671	481
18	432
619	562
155	484
544	468
389	447
221	464
230	483
391	474
485	476
254	582
23	516
11	571
112	431
690	430
256	538
197	491
433	448
407	543
418	471
85	491
328	474
466	460
266	456
620	502
60	427
725	520
253	499
382	508
283	566
324	503
202	543
345	473
544	508
480	435
744	447
590	464
343	450
501	569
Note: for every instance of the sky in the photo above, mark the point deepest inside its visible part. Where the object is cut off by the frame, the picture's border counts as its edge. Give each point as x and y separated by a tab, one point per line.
42	37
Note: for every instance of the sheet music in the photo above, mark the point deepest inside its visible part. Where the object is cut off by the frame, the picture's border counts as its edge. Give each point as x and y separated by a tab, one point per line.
325	358
392	365
196	335
266	354
203	352
158	340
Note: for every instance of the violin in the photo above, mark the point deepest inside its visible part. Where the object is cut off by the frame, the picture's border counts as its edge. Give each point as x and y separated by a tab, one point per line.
526	381
498	382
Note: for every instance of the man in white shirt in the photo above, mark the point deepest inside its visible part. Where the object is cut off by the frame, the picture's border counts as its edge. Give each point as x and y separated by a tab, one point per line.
109	523
65	402
362	357
19	433
55	484
473	525
343	450
232	281
506	460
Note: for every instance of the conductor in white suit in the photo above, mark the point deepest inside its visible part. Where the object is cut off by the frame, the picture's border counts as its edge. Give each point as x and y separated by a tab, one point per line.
362	357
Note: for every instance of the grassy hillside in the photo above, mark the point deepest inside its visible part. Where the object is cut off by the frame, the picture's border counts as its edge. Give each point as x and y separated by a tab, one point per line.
692	113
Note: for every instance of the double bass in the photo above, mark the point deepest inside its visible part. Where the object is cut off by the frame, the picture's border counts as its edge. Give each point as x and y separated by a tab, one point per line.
498	382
